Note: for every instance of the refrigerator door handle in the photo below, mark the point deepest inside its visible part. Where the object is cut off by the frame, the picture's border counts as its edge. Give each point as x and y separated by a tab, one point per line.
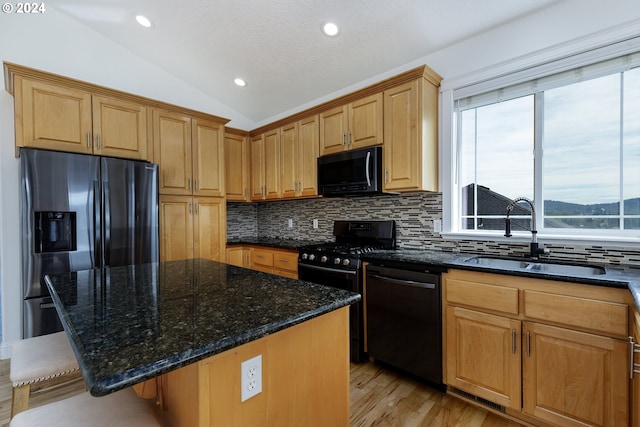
107	224
97	225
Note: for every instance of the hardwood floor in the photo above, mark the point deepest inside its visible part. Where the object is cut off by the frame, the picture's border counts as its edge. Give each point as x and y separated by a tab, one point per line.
379	397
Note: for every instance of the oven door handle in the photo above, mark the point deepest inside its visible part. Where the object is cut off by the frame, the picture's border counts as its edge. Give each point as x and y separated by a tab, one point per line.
331	270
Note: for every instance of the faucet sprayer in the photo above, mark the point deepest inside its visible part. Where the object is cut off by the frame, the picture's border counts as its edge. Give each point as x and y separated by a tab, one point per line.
535	249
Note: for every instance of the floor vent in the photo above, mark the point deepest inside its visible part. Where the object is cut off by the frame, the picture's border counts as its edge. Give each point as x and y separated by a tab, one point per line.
480	400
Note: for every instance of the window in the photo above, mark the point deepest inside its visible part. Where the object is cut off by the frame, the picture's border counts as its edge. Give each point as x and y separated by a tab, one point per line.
569	141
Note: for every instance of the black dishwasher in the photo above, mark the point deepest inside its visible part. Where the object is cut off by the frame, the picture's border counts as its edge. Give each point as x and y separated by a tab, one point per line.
404	320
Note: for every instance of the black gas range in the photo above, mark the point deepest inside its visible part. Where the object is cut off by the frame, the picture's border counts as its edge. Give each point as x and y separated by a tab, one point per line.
338	264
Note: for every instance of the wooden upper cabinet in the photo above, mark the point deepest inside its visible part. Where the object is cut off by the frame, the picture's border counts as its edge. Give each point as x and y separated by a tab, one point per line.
411	137
272	164
61	118
208	158
172	151
236	167
309	147
120	128
52	117
257	168
290	153
190	153
356	125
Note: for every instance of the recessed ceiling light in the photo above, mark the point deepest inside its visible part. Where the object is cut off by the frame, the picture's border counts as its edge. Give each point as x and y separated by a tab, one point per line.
143	20
240	82
330	29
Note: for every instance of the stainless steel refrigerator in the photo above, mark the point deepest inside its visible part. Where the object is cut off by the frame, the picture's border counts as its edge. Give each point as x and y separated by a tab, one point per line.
79	212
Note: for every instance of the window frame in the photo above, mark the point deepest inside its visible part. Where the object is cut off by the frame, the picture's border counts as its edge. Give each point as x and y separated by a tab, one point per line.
523	70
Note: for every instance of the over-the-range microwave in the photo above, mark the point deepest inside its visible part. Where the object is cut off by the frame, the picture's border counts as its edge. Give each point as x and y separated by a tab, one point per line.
350	173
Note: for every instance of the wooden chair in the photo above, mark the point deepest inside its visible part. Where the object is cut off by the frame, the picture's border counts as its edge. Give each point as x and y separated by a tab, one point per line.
38	363
119	409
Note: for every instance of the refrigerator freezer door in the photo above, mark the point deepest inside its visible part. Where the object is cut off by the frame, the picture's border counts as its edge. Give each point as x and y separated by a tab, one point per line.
130	212
63	184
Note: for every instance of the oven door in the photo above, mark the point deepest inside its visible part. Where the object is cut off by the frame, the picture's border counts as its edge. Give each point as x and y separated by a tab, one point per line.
347	280
342	279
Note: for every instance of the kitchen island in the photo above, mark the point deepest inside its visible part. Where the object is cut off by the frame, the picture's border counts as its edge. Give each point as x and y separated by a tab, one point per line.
190	324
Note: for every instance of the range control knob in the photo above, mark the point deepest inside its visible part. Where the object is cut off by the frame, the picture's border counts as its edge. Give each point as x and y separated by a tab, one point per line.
312	257
304	256
336	261
324	258
346	262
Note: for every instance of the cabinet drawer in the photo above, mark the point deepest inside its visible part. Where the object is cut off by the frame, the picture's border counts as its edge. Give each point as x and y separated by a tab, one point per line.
482	295
286	260
598	316
262	257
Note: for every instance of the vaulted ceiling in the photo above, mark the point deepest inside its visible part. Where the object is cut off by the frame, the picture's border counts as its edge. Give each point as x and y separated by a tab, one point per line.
278	46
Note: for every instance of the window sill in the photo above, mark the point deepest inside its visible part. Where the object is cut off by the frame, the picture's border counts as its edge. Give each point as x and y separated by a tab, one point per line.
591	240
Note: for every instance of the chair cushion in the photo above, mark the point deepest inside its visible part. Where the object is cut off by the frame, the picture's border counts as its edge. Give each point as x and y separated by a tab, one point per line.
119	409
40	358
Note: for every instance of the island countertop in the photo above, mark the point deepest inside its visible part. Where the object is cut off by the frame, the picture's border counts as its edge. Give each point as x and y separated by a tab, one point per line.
129	324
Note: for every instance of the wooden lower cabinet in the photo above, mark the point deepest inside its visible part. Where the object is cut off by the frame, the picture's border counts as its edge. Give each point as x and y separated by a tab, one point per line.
238	256
483	355
275	261
574	378
635	380
303	384
192	227
547	364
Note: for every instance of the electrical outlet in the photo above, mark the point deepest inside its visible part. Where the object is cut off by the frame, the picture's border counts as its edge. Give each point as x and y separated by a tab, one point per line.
437	226
290	223
251	377
315	223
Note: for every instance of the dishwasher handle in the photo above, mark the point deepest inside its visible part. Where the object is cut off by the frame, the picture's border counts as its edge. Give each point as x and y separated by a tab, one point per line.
404	282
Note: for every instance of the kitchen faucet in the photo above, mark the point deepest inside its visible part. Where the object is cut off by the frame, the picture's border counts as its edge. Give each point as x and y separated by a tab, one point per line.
535	249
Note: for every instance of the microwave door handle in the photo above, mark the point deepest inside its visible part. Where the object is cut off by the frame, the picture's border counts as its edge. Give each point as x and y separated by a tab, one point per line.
367	168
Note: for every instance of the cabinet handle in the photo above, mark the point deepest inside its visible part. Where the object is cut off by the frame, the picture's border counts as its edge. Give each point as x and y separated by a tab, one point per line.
196	208
386	175
299	186
98	141
189	184
190	209
283	260
196	181
260	256
349	139
513	341
343	136
528	344
88	139
633	349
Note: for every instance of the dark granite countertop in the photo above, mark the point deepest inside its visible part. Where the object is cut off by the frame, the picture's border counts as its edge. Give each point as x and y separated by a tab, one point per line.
129	324
617	276
290	244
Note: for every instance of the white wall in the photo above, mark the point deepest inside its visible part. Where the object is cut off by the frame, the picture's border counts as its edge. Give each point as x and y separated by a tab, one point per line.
58	44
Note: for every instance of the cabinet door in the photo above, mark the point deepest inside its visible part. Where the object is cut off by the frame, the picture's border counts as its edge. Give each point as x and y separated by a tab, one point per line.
172	151
209	228
272	164
333	130
635	382
119	128
309	144
235	256
257	167
365	122
236	167
402	160
52	117
575	378
289	155
176	228
483	355
208	158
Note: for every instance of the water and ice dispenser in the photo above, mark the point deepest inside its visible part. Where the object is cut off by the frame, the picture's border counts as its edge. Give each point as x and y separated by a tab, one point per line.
55	232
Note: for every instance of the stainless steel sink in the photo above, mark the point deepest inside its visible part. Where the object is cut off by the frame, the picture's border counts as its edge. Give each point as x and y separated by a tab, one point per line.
541	266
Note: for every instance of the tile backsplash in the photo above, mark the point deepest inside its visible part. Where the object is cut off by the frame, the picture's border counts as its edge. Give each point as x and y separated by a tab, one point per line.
414	214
